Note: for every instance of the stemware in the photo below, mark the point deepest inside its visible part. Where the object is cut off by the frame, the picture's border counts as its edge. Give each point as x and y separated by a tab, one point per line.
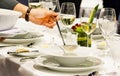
52	5
67	14
107	22
35	4
87	27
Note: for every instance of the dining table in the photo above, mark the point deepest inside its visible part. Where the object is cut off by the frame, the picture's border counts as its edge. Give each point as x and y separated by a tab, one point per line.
13	66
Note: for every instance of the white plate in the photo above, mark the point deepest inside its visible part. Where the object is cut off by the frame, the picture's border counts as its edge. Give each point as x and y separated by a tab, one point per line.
19	41
50	63
27	54
23	38
11	32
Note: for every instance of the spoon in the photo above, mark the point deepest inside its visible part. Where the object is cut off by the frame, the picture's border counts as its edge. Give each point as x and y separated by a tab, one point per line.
59	30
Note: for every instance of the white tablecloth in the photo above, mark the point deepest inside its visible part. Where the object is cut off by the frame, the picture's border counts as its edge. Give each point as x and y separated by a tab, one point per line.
11	66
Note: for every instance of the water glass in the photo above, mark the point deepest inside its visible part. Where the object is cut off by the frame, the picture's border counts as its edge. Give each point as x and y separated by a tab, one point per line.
107	21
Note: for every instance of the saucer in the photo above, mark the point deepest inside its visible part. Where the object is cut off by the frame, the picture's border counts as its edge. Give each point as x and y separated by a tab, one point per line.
49	62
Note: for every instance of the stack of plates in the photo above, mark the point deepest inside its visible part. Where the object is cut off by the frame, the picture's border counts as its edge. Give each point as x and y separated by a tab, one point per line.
18	36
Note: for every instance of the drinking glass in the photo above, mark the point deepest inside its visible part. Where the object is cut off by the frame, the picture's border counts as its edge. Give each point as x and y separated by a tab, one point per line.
67	14
36	3
52	5
107	22
87	27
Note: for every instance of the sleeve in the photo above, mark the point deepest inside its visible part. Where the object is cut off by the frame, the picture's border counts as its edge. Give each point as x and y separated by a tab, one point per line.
8	4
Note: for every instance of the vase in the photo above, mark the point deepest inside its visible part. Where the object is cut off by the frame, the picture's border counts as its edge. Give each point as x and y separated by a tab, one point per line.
82	39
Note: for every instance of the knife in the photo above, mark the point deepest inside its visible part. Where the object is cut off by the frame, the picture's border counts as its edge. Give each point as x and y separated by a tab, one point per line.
22	52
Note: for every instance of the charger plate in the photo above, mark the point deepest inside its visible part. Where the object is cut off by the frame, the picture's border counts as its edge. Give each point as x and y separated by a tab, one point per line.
90	64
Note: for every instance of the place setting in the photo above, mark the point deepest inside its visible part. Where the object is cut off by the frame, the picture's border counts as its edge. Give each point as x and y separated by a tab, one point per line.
79	60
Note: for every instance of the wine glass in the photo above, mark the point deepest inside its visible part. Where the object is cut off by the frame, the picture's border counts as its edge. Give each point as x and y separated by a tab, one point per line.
35	4
52	5
107	22
86	26
67	14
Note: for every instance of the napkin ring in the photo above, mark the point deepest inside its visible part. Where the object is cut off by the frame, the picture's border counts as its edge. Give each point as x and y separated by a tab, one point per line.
27	14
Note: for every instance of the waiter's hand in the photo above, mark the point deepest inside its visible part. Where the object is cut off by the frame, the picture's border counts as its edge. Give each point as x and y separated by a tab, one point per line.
2	39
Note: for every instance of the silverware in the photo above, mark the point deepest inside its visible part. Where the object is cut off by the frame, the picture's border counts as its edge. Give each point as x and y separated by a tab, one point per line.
22	52
59	30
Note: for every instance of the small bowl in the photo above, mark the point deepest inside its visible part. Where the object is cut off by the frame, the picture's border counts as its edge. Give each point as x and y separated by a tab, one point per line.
8	19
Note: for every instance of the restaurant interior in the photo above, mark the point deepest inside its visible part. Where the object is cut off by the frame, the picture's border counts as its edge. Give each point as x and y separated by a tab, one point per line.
83	42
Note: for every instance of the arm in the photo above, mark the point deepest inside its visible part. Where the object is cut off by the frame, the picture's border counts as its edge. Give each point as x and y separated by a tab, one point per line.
38	16
8	4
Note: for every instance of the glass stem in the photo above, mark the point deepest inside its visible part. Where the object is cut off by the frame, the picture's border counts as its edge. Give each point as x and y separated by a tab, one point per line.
87	40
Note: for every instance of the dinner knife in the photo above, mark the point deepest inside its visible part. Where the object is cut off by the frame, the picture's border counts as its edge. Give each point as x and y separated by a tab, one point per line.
22	52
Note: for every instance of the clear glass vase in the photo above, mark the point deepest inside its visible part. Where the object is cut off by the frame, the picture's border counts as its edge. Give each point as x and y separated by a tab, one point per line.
82	39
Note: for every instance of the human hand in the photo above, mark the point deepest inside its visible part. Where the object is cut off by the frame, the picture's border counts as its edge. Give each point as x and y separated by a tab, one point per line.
2	39
43	17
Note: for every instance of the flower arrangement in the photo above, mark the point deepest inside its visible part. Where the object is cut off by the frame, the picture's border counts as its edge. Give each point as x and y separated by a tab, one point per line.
84	39
77	28
82	36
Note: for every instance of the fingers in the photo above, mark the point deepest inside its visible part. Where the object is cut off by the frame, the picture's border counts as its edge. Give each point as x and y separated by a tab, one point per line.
2	39
45	19
49	25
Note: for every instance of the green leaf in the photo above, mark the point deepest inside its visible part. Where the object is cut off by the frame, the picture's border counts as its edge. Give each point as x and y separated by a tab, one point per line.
92	14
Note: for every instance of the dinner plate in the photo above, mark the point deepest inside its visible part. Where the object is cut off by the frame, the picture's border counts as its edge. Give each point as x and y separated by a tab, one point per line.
23	38
19	41
27	54
11	32
90	64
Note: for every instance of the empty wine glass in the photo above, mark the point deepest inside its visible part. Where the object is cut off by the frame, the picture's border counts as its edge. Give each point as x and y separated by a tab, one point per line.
107	22
67	14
